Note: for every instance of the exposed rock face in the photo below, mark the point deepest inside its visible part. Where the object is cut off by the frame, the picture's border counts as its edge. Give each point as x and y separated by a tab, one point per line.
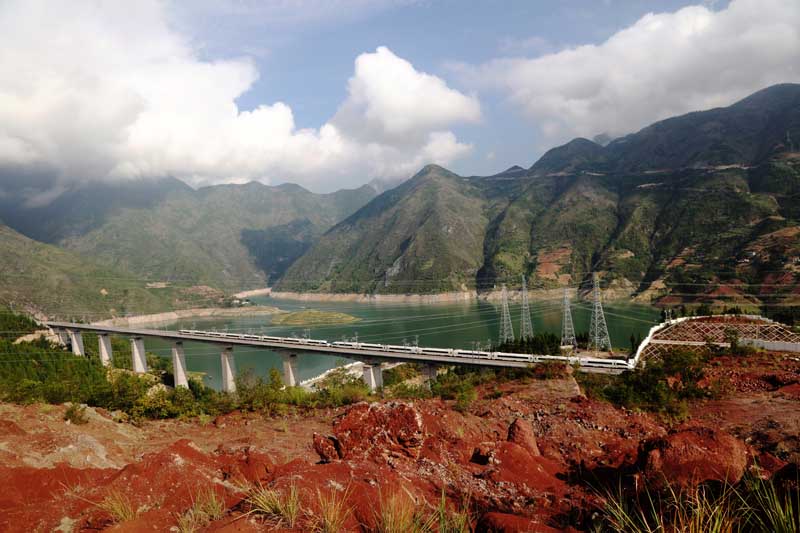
376	431
693	455
521	432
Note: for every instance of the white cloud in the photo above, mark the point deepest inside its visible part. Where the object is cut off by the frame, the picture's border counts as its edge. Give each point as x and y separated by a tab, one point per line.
110	90
665	64
390	100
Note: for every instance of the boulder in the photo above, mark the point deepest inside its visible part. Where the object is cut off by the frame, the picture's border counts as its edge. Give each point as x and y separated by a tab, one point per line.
376	431
693	455
521	432
326	448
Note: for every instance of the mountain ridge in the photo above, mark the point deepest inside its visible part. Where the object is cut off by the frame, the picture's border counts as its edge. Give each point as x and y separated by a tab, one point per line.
645	210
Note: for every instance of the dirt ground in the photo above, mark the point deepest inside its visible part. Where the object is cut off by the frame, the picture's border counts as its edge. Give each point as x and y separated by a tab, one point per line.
524	453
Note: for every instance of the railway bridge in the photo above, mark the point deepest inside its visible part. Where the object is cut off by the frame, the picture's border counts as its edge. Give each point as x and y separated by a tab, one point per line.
693	333
374	356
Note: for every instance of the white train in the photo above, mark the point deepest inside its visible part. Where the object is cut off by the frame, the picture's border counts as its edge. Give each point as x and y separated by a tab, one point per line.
440	352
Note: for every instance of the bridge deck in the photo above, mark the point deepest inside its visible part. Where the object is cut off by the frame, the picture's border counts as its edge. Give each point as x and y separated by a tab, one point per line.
381	353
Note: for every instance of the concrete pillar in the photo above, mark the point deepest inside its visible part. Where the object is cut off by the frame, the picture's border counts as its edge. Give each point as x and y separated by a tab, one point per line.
429	373
372	374
76	339
104	341
290	370
138	356
63	337
228	370
179	365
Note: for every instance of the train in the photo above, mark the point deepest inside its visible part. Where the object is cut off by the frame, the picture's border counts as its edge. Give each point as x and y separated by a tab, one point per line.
618	364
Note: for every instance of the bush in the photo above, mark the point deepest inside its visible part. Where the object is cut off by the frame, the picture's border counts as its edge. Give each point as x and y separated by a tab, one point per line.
649	389
13	325
76	414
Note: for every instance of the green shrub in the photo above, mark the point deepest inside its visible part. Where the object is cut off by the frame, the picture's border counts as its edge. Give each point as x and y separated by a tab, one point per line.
14	325
76	414
648	388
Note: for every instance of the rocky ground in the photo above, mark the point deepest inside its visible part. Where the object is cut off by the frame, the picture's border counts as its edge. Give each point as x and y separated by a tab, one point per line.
525	457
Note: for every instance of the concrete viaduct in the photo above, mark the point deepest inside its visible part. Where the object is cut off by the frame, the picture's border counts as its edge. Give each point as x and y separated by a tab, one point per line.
373	356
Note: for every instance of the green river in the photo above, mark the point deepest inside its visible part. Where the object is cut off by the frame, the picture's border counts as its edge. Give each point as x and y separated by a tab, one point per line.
451	325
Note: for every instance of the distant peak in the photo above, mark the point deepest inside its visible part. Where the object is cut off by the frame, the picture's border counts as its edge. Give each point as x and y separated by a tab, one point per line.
434	170
515	168
432	167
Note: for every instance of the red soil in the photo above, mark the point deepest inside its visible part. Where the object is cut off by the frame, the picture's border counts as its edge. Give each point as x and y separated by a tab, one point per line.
525	461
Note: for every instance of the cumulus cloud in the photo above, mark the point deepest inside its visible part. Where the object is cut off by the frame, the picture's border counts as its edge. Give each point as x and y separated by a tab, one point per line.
665	64
107	90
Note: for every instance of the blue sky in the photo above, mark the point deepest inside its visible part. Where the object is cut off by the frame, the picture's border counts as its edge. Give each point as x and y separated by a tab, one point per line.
306	63
334	93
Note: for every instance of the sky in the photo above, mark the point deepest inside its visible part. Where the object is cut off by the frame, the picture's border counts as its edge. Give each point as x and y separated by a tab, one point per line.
335	93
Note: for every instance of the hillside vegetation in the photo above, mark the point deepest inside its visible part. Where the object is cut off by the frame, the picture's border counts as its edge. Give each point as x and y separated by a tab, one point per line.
46	278
707	197
231	237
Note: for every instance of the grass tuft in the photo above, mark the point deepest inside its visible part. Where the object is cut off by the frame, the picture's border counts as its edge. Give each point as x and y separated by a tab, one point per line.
119	506
334	511
206	507
274	504
754	506
458	521
775	510
400	513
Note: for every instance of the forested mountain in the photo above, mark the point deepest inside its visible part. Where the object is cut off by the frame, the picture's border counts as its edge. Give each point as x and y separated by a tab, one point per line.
708	196
49	279
163	230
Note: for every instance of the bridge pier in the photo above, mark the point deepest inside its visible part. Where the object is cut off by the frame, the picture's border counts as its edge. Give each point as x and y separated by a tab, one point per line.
63	337
179	365
138	357
290	369
429	373
76	340
372	374
104	342
228	370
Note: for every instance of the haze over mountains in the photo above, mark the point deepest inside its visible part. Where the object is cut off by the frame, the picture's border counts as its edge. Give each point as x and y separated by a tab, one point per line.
708	196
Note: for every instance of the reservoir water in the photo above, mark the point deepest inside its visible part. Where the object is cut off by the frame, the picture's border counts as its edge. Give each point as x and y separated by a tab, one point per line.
451	325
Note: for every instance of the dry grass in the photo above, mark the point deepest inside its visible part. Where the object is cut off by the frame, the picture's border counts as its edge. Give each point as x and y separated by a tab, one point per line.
450	521
399	512
119	506
334	511
755	507
206	507
283	507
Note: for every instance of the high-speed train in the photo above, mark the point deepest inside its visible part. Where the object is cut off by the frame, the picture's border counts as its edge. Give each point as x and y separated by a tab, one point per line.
419	350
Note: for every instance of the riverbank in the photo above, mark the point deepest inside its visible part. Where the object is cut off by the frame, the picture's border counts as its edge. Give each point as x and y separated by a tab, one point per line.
613	294
204	312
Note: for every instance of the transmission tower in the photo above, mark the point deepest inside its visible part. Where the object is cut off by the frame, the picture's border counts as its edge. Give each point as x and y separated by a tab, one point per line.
567	329
506	329
526	328
598	330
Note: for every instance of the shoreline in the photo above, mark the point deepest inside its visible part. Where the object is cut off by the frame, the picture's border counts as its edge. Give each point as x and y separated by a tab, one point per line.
198	312
609	295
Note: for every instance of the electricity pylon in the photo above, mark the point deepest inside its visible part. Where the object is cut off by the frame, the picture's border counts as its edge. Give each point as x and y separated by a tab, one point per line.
567	329
598	330
506	329
526	328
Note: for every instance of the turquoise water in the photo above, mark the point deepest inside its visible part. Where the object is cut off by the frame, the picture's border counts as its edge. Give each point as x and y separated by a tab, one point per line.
452	325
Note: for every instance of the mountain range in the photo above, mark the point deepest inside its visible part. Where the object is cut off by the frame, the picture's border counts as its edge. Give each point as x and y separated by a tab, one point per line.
708	197
711	196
